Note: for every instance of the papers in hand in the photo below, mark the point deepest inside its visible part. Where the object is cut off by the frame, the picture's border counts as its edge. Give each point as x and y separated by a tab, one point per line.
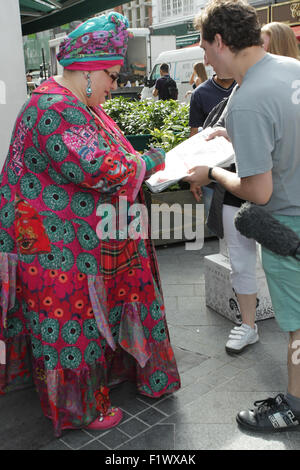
194	151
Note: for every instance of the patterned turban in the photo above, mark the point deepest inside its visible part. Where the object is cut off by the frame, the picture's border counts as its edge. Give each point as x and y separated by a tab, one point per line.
97	43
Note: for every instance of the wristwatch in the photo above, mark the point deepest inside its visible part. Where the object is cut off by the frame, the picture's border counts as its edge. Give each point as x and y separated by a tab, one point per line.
210	176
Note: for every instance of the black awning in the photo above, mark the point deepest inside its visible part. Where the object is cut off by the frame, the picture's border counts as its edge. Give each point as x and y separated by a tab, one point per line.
40	15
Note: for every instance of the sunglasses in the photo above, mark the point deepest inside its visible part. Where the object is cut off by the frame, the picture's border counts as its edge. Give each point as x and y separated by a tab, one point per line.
113	76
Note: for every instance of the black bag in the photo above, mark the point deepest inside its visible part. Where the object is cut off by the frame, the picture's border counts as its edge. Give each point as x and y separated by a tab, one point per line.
215	114
172	88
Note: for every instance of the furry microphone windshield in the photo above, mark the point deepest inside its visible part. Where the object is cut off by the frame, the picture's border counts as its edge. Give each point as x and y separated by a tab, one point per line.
255	222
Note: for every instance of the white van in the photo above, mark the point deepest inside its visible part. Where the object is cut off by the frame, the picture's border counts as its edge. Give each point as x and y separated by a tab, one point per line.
181	62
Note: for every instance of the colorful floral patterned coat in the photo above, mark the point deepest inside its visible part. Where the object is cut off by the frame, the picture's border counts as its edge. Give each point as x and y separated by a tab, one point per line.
79	313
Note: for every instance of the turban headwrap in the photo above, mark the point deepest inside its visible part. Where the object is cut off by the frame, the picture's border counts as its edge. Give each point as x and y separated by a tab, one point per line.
98	43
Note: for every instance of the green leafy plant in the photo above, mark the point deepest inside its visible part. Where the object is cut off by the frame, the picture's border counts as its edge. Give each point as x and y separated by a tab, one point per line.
166	121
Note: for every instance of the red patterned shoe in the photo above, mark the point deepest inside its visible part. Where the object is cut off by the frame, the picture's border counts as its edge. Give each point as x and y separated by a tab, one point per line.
111	419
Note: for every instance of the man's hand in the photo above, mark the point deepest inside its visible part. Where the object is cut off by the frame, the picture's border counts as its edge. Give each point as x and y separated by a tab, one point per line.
198	175
196	190
219	132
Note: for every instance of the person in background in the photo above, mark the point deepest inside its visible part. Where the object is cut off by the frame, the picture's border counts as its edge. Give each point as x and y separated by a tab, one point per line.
205	97
165	87
198	76
81	302
262	122
279	38
30	84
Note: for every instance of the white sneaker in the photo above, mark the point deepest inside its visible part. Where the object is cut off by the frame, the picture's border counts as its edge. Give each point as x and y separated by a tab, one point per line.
240	337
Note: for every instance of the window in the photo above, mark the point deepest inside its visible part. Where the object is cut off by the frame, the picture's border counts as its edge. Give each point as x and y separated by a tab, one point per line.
188	7
155	72
166	8
177	7
173	8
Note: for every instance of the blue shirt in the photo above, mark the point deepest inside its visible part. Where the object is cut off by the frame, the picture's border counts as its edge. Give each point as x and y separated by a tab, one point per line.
204	98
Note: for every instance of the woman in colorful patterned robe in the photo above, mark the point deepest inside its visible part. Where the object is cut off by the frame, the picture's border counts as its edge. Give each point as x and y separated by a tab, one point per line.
81	302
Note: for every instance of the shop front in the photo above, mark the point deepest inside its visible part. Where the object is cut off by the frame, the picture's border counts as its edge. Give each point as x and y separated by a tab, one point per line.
285	12
288	12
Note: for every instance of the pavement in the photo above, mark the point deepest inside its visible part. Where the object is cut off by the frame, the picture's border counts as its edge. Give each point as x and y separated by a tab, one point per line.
215	385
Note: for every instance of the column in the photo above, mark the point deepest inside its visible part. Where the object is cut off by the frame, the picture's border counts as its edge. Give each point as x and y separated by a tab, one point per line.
12	71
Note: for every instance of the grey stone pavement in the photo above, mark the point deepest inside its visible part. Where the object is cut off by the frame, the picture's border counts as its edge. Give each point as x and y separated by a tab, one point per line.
215	385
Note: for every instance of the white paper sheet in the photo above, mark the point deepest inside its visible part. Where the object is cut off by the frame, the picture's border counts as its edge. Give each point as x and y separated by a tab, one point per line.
192	152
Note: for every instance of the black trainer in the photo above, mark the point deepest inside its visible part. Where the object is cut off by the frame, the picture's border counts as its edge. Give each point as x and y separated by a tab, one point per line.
270	415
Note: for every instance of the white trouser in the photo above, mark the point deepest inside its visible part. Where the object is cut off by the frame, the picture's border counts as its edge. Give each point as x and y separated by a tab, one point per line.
242	254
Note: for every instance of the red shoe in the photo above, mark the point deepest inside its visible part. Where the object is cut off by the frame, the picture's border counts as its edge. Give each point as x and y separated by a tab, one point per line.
111	419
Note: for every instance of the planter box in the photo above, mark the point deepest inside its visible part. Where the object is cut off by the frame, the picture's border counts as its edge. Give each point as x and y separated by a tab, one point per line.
133	93
177	226
139	142
168	199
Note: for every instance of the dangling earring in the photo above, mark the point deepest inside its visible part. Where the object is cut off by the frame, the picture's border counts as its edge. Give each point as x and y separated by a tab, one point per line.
88	90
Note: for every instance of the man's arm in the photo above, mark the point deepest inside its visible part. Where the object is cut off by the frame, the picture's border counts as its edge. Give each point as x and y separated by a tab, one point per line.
157	87
255	188
194	130
219	132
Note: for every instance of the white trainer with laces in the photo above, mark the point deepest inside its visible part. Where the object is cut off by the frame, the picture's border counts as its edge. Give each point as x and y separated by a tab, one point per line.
240	337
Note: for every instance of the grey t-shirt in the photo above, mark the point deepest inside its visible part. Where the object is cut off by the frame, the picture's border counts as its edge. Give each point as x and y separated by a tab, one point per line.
263	123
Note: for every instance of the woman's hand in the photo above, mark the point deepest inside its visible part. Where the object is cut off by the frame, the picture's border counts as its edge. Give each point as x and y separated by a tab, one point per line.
219	132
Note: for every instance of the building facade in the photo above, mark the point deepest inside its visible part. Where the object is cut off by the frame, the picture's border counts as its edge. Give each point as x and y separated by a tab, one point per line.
163	17
176	16
138	12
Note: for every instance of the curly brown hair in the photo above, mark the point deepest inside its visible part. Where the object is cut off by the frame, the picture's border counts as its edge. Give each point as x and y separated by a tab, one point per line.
235	20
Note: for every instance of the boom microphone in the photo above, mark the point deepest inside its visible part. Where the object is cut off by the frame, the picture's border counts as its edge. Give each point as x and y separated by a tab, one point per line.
255	222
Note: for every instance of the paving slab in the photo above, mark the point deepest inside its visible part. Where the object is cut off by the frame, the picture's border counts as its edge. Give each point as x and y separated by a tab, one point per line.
215	385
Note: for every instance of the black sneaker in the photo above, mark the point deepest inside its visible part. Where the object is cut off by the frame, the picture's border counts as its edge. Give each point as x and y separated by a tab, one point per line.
270	415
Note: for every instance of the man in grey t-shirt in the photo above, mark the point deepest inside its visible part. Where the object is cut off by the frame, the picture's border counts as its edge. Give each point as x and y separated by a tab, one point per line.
263	123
